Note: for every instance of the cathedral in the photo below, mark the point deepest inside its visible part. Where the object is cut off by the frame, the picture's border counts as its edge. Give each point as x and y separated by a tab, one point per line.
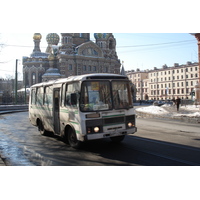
70	54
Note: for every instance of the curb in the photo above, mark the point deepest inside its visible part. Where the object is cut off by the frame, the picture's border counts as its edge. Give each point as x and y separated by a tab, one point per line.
1	162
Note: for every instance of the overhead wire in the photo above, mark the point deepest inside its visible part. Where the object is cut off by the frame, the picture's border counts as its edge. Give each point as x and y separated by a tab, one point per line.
142	45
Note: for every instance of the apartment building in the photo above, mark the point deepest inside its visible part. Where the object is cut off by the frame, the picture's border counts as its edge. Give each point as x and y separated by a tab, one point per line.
165	83
140	80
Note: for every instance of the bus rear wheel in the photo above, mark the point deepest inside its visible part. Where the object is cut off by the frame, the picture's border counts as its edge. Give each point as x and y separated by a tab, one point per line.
117	139
72	139
41	129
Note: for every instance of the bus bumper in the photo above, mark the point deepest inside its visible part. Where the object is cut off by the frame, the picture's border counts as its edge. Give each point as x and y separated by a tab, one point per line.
95	136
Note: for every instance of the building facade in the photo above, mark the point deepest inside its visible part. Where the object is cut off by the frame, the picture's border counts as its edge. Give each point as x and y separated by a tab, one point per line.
76	54
165	83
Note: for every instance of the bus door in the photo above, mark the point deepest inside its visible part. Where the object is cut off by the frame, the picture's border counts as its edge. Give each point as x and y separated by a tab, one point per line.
56	110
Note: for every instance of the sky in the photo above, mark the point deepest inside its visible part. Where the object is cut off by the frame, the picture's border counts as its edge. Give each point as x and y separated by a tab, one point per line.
136	50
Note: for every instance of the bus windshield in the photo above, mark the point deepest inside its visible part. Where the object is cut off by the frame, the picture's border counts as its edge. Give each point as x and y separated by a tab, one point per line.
105	95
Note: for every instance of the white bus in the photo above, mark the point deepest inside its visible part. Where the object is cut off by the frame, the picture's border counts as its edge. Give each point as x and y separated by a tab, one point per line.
84	107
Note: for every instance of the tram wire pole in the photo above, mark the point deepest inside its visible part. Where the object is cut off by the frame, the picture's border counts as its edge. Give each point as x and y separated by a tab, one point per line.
16	82
25	88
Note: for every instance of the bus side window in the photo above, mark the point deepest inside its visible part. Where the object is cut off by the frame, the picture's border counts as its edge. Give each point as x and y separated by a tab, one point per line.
39	99
63	95
33	96
70	90
48	96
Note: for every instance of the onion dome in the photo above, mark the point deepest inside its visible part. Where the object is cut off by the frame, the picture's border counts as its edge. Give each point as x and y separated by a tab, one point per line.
101	35
53	38
37	36
51	57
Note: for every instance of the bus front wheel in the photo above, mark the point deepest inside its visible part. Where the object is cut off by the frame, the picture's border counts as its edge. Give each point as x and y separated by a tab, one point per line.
72	139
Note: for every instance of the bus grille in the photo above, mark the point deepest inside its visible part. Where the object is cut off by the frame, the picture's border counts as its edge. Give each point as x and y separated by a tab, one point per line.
114	120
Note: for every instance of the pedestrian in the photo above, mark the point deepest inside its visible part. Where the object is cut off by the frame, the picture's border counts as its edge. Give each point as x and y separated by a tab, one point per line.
178	101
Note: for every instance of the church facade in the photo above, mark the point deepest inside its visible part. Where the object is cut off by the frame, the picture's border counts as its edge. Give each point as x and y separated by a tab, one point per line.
70	54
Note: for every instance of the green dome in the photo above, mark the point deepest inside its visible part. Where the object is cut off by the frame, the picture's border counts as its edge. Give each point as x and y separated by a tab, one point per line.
53	38
101	35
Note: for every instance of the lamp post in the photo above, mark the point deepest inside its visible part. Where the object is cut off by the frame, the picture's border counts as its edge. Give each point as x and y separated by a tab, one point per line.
197	86
16	82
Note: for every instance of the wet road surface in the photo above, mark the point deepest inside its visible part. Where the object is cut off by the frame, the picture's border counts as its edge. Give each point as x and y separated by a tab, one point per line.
153	145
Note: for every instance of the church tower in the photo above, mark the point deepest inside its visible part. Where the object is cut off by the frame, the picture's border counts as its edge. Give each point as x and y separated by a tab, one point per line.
67	43
107	43
37	38
79	38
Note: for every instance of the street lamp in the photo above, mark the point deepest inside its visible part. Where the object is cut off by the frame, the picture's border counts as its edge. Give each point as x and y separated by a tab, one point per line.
197	86
16	82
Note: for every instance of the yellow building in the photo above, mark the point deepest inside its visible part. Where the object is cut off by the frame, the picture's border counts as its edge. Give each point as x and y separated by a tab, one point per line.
165	83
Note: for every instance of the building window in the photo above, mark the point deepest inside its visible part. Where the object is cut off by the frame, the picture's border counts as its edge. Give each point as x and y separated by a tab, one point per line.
84	68
70	67
89	68
110	44
33	78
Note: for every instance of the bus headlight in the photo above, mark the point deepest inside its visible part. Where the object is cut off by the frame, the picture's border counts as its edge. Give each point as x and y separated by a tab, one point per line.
96	129
130	124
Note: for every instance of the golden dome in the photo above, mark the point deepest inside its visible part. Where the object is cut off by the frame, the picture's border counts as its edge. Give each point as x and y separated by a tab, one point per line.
37	36
51	57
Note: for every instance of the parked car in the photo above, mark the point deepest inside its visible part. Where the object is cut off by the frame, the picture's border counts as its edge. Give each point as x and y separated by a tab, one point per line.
158	103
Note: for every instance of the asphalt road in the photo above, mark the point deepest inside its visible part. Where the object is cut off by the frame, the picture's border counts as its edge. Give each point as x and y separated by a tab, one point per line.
157	143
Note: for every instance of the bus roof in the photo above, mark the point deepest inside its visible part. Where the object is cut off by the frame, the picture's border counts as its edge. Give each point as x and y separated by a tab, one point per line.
83	77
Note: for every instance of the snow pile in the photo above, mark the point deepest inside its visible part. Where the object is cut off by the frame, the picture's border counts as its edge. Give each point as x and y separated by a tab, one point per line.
191	107
153	110
170	111
196	114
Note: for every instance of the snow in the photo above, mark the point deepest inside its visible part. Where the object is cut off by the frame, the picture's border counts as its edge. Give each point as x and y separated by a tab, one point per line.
170	110
152	110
